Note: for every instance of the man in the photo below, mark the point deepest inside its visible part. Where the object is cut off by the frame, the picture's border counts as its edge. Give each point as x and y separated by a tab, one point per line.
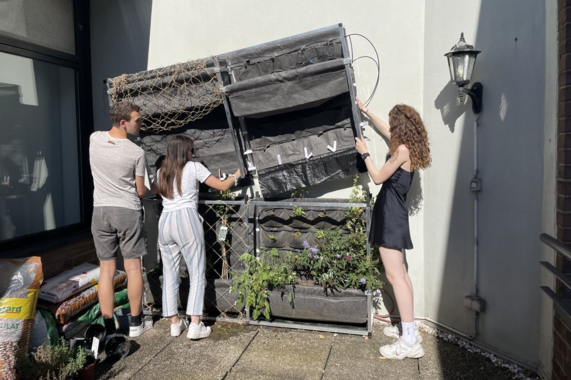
118	169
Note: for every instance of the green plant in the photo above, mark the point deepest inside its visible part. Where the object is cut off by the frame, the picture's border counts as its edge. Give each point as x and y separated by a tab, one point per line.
297	210
49	362
339	260
272	237
296	234
268	272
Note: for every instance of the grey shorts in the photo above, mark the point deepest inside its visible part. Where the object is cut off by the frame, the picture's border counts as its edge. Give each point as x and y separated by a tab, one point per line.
115	228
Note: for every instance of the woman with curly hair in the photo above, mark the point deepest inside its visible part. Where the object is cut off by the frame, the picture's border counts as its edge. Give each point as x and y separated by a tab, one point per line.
408	152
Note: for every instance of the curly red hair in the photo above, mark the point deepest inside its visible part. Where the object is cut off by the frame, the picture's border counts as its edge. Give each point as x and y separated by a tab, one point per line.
406	127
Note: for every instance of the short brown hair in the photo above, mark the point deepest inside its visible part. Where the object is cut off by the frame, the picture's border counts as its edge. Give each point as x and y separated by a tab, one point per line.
122	111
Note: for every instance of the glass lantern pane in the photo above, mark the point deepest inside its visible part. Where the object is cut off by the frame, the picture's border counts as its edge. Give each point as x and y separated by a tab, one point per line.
462	67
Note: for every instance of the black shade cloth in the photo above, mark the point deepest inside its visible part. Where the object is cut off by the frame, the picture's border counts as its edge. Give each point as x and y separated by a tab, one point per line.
287	91
213	143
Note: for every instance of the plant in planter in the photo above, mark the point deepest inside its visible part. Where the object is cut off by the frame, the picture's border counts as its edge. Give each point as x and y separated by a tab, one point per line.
268	272
339	260
297	210
336	264
48	362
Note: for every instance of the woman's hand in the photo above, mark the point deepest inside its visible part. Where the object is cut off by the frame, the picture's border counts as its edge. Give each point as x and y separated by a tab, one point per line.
361	105
361	145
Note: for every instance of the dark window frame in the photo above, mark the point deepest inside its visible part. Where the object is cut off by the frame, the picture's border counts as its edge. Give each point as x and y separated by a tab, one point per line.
81	64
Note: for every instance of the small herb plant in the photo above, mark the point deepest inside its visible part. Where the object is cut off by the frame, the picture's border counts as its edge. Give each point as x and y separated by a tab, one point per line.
268	272
297	210
49	362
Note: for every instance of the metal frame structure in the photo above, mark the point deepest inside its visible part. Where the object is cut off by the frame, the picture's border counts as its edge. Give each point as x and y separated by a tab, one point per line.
560	304
255	248
348	68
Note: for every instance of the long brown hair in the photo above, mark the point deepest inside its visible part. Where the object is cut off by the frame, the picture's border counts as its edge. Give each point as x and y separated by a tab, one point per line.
173	165
407	128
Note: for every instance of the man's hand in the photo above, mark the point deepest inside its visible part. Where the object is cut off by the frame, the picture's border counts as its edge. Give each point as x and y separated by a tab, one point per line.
361	145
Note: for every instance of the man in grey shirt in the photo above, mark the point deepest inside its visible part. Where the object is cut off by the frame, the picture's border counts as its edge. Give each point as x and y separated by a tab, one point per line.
118	169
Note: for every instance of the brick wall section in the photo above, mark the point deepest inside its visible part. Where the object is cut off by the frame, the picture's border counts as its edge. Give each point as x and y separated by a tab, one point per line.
562	332
561	350
67	256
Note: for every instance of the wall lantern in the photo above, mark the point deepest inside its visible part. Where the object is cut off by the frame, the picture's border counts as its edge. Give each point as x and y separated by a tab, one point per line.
461	62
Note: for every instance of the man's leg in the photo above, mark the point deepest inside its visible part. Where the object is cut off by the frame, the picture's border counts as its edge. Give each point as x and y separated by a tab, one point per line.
106	290
134	285
133	244
106	245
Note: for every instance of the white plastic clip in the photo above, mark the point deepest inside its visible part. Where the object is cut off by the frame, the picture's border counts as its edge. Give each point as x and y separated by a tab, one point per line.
307	156
249	151
279	159
334	146
250	166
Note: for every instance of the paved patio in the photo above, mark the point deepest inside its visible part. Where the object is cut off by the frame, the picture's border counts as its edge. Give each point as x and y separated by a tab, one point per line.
246	352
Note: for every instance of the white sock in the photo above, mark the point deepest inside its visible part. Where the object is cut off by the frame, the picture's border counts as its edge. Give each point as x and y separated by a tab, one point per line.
408	333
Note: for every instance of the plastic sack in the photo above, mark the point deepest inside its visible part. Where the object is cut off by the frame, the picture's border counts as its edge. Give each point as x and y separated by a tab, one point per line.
20	281
70	282
64	311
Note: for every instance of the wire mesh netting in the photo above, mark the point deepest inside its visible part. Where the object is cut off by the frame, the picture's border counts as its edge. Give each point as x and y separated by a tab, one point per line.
172	96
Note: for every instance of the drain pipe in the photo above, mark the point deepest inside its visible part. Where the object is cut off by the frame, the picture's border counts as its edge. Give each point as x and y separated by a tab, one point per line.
474	301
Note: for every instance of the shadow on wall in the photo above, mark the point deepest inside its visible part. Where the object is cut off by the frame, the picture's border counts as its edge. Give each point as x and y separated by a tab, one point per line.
449	106
511	35
120	34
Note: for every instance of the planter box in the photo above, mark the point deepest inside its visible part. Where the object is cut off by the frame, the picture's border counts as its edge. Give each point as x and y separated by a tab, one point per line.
312	304
218	297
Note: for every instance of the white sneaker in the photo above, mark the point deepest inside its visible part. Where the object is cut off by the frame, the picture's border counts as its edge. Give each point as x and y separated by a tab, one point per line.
135	331
393	331
198	331
400	350
177	328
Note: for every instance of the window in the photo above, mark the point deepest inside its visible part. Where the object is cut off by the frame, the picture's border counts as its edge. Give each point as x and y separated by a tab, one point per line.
39	173
45	121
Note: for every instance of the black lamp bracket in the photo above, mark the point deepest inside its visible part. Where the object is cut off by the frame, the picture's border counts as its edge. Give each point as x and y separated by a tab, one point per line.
475	93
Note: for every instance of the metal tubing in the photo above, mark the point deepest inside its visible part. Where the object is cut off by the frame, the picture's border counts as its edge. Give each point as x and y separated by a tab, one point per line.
550	241
313	327
456	332
229	118
350	83
310	204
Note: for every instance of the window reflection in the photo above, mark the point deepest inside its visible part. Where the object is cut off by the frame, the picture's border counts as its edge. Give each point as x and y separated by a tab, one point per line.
39	178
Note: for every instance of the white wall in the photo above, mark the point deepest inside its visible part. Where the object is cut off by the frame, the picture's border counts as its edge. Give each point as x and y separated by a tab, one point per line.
512	67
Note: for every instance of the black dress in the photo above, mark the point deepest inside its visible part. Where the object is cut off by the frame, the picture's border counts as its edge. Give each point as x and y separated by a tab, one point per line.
389	225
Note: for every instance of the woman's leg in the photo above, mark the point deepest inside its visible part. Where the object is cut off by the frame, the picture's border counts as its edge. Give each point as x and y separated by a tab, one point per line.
195	256
400	281
170	256
408	281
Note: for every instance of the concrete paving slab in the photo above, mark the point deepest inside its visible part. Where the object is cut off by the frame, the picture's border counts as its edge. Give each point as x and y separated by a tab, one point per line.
209	358
355	357
143	350
446	361
284	354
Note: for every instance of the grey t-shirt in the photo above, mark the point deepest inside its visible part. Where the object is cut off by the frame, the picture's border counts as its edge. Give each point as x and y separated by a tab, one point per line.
114	165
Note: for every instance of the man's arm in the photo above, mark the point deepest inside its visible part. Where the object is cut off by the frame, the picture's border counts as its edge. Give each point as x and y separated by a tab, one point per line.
140	184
